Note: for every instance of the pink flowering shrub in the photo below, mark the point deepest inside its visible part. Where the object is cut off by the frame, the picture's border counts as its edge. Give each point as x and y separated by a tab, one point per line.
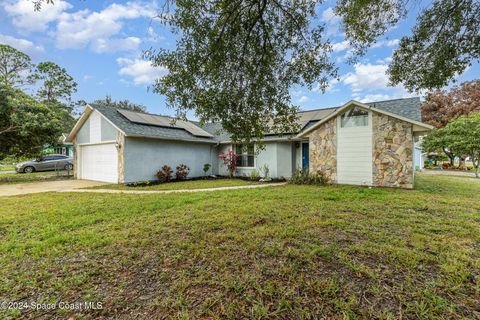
230	161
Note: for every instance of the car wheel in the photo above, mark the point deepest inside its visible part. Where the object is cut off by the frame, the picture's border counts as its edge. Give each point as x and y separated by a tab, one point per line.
28	169
69	166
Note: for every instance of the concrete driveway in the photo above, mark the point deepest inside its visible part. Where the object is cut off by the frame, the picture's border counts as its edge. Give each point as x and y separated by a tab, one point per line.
46	186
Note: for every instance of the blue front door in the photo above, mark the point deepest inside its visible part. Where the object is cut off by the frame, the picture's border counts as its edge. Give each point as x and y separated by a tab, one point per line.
305	155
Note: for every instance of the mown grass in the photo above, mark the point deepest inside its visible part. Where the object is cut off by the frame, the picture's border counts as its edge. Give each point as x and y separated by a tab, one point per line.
293	252
9	167
9	178
182	185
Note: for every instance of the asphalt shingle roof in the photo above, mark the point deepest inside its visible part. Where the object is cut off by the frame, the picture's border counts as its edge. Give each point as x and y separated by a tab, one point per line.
408	108
142	130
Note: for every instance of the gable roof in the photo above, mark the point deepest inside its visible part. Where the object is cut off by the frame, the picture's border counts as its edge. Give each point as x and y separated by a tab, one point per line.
407	109
374	107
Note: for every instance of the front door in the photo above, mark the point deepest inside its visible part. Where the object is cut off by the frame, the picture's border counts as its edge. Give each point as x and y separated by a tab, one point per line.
305	158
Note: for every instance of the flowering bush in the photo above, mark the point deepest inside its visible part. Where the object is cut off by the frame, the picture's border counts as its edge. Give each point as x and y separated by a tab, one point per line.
230	161
182	171
165	173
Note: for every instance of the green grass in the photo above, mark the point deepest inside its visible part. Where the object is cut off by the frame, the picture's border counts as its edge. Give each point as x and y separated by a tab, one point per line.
7	167
187	185
333	252
9	178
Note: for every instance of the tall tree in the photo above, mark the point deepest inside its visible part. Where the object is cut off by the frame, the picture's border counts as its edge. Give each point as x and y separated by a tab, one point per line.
236	61
14	66
26	125
55	83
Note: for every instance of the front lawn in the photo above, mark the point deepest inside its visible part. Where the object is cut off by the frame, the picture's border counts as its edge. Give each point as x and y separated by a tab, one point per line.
183	185
8	178
8	167
334	252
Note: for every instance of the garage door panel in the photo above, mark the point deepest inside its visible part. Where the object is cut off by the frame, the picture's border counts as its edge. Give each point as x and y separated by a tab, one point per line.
99	162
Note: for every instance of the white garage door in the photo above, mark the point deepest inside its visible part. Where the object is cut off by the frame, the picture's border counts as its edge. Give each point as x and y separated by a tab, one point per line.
99	162
354	153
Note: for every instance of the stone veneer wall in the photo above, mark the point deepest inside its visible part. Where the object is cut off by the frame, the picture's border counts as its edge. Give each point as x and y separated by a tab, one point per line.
323	150
392	152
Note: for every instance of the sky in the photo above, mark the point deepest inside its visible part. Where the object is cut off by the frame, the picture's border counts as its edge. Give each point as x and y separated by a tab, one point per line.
100	44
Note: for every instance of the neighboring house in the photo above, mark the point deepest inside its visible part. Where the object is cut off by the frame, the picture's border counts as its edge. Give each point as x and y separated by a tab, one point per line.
63	147
366	144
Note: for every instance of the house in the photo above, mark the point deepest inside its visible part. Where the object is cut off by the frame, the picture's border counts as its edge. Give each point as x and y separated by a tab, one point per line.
63	147
357	143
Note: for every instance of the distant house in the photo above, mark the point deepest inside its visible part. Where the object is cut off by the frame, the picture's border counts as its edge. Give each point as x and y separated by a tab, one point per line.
63	147
364	144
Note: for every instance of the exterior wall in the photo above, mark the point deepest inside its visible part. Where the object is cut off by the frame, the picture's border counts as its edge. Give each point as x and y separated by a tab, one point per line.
83	135
108	132
323	150
96	129
277	155
144	157
392	152
354	153
121	156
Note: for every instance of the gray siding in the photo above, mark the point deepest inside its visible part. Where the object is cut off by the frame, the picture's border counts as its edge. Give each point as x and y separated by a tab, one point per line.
277	155
83	135
144	157
108	131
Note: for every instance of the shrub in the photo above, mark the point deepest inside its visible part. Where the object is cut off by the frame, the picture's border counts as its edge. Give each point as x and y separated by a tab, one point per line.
206	167
141	183
282	179
165	173
446	165
182	171
230	161
305	177
254	175
266	171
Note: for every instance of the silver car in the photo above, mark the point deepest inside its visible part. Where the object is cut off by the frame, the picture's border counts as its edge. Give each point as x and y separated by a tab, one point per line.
46	163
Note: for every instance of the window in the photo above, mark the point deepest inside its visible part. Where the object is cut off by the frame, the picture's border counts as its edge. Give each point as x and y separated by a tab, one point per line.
245	155
355	117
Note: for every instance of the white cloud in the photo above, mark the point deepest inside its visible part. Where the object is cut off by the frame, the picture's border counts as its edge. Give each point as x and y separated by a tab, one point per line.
332	21
303	99
367	76
142	71
23	45
369	82
340	46
386	43
26	19
97	29
111	45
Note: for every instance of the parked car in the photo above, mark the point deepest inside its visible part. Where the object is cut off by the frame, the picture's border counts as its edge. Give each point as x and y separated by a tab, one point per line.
46	163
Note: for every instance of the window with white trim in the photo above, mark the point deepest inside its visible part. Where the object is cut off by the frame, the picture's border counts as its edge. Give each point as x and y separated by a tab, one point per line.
355	117
245	156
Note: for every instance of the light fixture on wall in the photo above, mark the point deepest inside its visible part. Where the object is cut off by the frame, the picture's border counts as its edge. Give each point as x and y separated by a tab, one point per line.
118	146
297	144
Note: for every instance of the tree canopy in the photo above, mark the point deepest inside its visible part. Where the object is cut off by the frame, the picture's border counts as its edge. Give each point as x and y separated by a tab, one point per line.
237	60
14	66
26	125
461	136
440	106
121	104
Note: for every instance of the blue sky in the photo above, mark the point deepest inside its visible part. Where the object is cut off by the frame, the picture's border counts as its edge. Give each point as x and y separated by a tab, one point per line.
100	45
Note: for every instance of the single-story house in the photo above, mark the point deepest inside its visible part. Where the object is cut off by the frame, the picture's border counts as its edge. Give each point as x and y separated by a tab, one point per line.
365	144
63	147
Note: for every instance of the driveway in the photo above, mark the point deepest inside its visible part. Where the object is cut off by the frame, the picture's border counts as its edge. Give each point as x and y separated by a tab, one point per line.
45	186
